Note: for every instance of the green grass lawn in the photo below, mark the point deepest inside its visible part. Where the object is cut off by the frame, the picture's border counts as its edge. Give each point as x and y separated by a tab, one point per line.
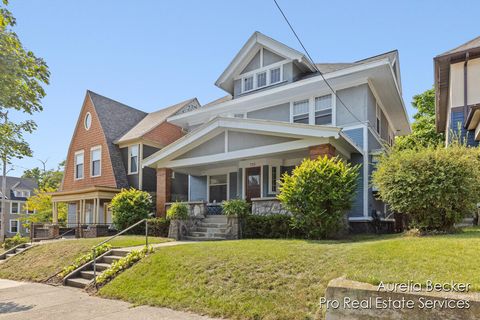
43	261
284	279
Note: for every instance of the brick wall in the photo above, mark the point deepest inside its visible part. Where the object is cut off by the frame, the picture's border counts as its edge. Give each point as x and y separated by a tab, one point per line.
164	134
86	139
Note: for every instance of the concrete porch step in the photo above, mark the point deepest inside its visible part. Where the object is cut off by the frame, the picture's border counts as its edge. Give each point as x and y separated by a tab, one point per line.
109	259
189	238
215	219
78	282
197	234
212	225
214	229
100	266
88	274
119	253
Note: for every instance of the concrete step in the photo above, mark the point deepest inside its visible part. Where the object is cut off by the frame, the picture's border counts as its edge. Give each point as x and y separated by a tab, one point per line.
110	259
119	253
9	255
212	225
18	250
189	238
77	282
214	230
215	219
99	266
197	234
88	274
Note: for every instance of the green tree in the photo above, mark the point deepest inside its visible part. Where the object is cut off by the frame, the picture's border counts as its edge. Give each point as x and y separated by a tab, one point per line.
434	186
41	204
50	179
130	206
318	193
22	76
424	133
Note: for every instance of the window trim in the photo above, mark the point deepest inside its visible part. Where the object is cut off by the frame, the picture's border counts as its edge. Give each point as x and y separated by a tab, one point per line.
75	164
92	149
378	118
19	208
87	115
130	159
270	176
267	70
218	184
18	226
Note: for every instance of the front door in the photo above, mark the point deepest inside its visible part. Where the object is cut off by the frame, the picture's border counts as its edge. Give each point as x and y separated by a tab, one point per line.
252	183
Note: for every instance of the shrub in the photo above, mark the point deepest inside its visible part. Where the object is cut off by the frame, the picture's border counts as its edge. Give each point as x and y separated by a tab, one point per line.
122	264
130	206
177	211
158	227
14	241
236	207
270	227
318	193
80	261
435	186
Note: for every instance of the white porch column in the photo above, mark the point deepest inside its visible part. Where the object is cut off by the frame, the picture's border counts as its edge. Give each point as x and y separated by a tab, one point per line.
54	213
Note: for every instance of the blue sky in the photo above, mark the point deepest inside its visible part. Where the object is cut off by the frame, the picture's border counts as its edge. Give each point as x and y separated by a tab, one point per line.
152	54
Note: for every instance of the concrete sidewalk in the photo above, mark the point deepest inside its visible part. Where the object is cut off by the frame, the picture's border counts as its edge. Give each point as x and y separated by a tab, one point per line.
25	301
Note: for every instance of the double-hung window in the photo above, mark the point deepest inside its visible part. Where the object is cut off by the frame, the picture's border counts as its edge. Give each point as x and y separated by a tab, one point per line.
96	161
15	208
275	75
300	111
248	83
217	185
13	226
323	110
133	152
79	165
261	79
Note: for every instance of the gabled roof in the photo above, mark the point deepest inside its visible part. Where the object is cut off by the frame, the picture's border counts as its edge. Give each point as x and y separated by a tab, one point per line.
15	183
474	43
152	120
250	48
116	119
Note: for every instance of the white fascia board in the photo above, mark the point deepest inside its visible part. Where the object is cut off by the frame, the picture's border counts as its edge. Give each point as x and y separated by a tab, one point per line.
328	76
400	96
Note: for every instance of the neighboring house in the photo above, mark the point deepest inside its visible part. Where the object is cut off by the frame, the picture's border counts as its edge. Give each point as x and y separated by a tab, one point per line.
106	154
277	112
18	190
457	93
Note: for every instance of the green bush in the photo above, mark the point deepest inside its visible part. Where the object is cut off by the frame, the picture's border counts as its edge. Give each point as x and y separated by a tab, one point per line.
236	207
14	241
130	206
271	227
177	211
318	193
158	227
435	186
80	261
122	264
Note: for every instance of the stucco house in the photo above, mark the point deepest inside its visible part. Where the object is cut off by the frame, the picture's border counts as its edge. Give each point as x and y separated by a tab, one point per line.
457	92
18	190
277	111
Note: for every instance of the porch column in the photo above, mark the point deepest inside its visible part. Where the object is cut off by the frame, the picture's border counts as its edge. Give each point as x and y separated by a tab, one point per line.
321	150
54	213
164	176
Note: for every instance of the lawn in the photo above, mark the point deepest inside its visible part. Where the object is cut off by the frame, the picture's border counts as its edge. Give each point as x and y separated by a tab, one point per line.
284	279
43	261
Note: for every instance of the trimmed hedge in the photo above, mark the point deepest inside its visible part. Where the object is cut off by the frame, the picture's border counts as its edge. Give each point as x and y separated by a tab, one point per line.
158	227
14	241
271	227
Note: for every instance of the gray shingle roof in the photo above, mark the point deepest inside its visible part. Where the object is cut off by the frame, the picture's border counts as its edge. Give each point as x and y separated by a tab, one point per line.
17	183
116	119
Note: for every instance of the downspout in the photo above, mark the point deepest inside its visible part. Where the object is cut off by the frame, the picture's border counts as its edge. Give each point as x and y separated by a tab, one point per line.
465	87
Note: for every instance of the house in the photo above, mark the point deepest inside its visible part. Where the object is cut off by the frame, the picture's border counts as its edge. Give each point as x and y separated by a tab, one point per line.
277	111
18	190
457	93
106	152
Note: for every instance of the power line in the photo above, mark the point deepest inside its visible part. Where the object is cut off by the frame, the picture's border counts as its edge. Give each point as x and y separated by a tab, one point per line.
315	66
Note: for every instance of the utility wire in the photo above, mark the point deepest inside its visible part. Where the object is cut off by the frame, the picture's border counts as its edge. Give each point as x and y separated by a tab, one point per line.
315	66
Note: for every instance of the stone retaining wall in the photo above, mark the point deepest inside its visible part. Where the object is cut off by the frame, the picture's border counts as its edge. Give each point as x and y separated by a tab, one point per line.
268	206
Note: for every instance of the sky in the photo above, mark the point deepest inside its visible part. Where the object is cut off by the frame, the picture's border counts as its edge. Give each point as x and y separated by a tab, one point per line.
152	54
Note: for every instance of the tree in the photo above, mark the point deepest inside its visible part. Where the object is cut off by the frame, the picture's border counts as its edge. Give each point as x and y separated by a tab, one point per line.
22	76
318	193
46	179
130	206
41	204
435	187
424	133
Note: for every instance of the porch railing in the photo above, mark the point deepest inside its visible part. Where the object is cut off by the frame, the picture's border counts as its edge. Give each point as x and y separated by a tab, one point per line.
94	253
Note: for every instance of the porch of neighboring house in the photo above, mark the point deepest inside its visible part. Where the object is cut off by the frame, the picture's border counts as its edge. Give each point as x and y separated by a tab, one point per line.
88	211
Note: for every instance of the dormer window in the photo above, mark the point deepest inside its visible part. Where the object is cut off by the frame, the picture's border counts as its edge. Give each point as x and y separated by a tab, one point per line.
262	77
247	83
275	75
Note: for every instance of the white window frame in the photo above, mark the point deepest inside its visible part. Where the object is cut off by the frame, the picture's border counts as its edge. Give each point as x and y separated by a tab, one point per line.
270	182
19	208
218	184
18	226
130	159
77	153
91	161
87	115
267	69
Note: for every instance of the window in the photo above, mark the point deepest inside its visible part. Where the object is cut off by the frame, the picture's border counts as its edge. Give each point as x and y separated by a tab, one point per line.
78	165
323	110
88	121
275	75
261	79
300	111
248	84
96	161
217	188
133	159
13	226
377	124
15	208
273	175
21	193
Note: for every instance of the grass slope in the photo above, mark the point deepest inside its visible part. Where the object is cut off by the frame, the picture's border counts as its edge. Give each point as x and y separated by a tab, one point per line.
41	262
284	279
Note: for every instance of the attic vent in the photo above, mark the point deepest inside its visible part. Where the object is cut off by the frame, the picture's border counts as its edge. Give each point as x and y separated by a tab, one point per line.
190	107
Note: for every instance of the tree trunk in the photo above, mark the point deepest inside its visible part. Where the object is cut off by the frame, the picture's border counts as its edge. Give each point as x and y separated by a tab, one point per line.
4	201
